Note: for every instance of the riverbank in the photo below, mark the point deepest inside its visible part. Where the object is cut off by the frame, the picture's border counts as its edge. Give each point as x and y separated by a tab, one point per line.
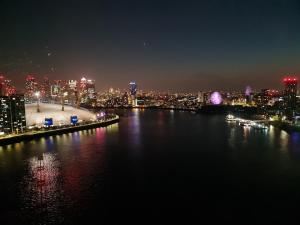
10	139
285	126
144	107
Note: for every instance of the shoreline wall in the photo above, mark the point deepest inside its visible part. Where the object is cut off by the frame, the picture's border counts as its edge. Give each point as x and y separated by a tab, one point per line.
31	136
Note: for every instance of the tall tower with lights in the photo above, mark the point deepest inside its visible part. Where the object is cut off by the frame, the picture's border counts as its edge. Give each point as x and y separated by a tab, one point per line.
133	92
290	93
30	87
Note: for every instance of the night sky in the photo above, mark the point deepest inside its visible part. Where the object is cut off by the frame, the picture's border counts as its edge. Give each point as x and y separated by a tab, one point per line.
162	45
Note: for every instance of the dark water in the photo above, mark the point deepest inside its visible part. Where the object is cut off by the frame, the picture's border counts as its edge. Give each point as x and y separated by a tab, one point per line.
154	167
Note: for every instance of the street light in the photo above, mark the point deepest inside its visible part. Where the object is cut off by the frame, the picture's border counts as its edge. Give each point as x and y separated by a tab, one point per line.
63	101
37	94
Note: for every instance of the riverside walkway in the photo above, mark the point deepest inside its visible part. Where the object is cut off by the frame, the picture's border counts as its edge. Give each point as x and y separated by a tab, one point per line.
26	136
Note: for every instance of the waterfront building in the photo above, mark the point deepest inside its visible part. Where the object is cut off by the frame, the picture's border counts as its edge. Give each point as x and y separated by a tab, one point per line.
265	96
202	98
133	92
18	119
5	117
12	114
290	93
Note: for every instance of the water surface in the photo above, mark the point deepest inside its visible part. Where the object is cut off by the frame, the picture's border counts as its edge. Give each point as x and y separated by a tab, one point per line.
154	167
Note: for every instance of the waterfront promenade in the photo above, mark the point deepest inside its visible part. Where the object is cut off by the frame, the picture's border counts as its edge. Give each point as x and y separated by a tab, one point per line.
14	138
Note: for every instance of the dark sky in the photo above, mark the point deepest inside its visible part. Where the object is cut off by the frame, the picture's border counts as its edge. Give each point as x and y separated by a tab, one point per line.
163	45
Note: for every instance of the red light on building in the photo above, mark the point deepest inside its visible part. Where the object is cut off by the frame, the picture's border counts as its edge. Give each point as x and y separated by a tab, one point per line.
290	80
30	77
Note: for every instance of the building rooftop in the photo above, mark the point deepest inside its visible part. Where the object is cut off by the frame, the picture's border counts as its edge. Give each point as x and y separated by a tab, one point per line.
54	111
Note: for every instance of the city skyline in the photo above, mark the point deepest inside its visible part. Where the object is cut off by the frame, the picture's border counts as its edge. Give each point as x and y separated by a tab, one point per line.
170	45
21	89
149	112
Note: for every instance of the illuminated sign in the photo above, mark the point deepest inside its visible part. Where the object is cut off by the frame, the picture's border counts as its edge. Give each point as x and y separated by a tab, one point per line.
48	122
74	120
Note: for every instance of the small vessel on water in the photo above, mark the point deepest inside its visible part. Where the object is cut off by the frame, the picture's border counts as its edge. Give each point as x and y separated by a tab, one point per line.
259	126
230	118
245	123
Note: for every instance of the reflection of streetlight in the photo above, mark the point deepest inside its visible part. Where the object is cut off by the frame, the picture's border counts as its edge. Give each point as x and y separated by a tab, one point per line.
63	101
37	95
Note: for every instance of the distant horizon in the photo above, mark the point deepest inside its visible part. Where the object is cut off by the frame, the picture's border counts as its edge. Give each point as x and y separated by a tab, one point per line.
21	85
163	45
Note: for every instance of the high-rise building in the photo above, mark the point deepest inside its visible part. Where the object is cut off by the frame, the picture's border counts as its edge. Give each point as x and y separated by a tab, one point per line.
125	99
133	92
2	88
83	90
30	87
87	90
72	90
46	89
91	89
290	93
9	89
17	103
56	89
5	115
72	85
12	114
201	97
6	87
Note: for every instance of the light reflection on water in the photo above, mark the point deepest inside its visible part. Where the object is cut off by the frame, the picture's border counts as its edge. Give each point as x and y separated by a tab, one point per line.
134	132
41	188
56	172
284	141
63	174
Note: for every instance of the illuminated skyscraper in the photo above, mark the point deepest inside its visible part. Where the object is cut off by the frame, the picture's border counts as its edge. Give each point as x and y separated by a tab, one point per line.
133	92
9	89
12	114
6	87
72	91
18	119
83	90
73	85
91	90
30	87
125	99
201	97
87	90
290	93
133	88
56	89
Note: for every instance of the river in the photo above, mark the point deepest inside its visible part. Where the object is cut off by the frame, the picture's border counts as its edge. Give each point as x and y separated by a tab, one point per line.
153	167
